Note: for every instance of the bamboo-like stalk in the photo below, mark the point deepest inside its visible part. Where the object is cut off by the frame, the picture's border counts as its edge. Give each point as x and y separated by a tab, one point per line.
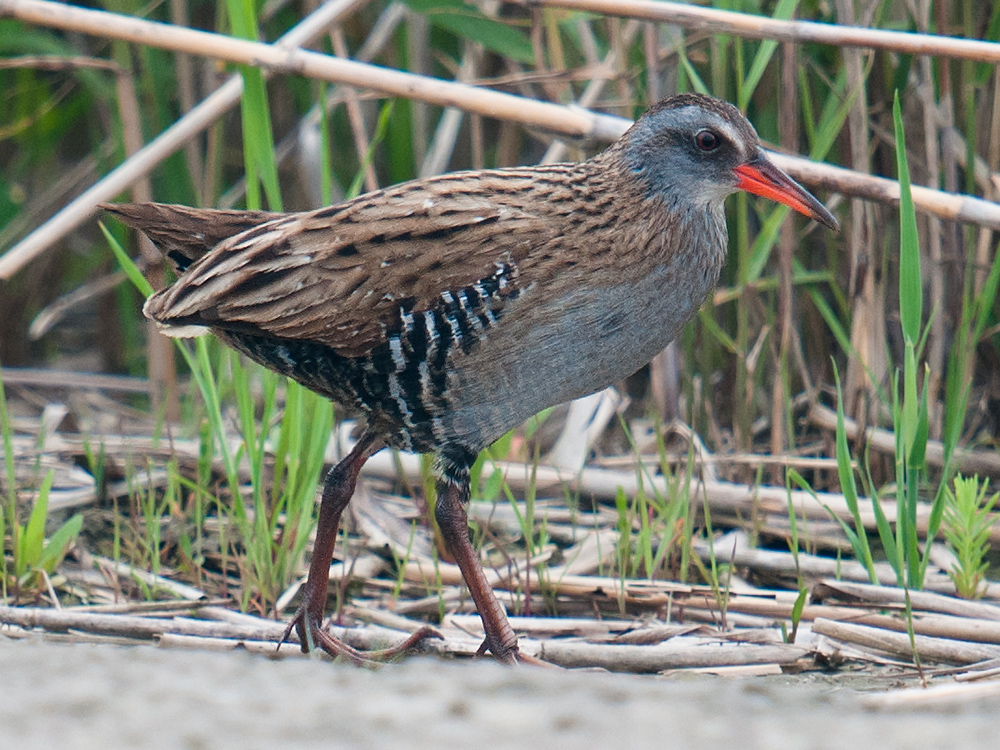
872	595
884	441
933	247
944	650
750	26
131	626
186	97
868	329
938	697
643	659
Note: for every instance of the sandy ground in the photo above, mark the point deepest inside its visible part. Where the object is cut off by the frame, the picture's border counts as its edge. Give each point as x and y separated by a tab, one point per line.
103	696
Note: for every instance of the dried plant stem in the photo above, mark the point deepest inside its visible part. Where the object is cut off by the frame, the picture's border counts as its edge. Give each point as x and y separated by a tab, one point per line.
864	286
449	125
354	113
932	153
932	649
604	71
982	462
867	594
186	96
283	58
761	27
787	242
159	349
645	659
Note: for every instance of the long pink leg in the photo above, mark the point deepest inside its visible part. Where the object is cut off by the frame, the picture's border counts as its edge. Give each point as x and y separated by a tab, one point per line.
454	523
308	620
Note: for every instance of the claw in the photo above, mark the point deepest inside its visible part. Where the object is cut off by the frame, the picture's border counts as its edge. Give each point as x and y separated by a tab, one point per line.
512	656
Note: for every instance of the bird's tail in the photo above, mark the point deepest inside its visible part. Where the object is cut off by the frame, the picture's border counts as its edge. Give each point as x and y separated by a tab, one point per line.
185	234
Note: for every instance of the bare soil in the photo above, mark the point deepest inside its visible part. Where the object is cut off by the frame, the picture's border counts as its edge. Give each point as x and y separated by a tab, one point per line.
107	696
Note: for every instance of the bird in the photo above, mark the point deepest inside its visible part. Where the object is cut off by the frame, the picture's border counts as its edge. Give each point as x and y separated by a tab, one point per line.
447	310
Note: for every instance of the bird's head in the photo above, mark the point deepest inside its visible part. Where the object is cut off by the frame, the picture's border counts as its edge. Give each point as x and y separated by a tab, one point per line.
691	148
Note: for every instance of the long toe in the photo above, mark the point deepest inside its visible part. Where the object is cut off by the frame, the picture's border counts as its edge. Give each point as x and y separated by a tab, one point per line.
534	661
312	635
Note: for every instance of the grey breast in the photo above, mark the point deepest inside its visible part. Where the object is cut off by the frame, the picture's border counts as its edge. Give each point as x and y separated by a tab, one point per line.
572	346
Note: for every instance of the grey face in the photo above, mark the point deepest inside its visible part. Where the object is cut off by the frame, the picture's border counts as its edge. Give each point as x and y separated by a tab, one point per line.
689	152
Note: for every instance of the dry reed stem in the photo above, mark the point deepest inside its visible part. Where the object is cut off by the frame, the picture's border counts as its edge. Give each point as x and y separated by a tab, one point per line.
933	697
721	496
449	125
159	349
939	626
261	635
928	601
982	462
950	206
565	627
808	566
603	70
184	66
133	626
354	114
648	659
295	61
933	248
750	26
39	377
868	334
148	628
930	649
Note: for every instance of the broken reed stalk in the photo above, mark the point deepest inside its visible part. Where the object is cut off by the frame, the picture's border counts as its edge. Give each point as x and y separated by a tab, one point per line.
748	26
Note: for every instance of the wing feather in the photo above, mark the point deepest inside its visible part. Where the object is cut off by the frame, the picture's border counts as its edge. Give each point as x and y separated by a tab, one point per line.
339	276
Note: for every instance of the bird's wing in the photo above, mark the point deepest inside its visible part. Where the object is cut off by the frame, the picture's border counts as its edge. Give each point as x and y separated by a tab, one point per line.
341	276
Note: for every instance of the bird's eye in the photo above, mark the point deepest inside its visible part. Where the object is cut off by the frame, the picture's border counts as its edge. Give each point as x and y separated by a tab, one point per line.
706	140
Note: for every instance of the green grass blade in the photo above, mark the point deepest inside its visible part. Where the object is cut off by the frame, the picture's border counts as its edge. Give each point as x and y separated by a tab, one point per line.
128	265
258	138
58	544
692	75
470	23
381	128
784	10
910	284
848	485
33	540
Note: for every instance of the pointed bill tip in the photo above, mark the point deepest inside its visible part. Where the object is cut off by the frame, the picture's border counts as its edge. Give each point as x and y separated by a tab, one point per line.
761	177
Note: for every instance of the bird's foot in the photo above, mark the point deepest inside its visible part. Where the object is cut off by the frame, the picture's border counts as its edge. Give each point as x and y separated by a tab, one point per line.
512	655
309	628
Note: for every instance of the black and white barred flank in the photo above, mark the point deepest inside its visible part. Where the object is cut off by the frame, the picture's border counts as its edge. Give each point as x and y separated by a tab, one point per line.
403	381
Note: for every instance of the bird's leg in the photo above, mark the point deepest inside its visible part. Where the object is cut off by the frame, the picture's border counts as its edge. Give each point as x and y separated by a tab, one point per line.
308	620
452	495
